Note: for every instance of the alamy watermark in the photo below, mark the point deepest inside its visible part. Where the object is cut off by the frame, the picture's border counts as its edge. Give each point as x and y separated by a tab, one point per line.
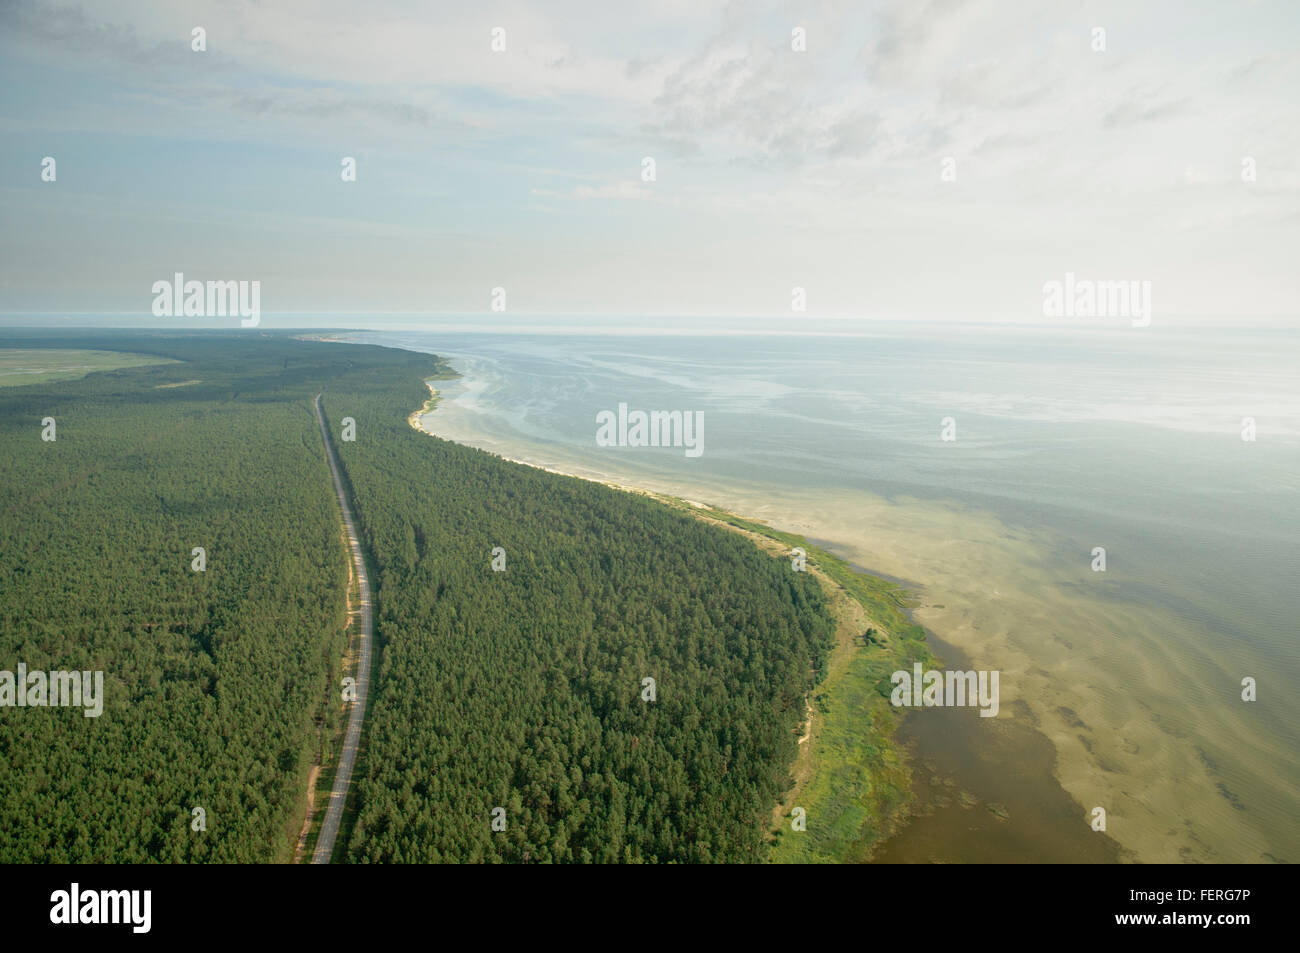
74	906
655	428
935	689
55	689
1085	298
198	299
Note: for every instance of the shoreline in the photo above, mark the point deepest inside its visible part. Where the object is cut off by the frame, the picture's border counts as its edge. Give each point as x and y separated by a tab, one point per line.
947	774
415	419
879	763
1111	694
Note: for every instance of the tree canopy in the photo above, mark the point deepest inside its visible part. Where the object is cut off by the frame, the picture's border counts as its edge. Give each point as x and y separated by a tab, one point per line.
522	689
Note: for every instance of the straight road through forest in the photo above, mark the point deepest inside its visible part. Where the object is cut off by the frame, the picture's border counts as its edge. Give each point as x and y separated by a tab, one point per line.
343	777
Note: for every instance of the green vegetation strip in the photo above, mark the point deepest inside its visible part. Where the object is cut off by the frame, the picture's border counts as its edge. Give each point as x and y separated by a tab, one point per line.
858	789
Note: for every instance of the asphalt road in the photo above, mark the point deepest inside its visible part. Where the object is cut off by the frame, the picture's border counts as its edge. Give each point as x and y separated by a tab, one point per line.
347	758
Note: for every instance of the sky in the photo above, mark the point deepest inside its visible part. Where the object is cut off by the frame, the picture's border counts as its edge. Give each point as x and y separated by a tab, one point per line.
776	168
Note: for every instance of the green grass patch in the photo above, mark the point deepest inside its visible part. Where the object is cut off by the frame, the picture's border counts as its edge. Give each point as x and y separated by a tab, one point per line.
21	366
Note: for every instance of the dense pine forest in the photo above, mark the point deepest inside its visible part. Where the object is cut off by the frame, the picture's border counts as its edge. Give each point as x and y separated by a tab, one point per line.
212	678
523	689
510	720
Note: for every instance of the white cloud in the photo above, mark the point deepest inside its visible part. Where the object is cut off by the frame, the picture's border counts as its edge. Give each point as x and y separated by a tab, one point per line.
773	163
